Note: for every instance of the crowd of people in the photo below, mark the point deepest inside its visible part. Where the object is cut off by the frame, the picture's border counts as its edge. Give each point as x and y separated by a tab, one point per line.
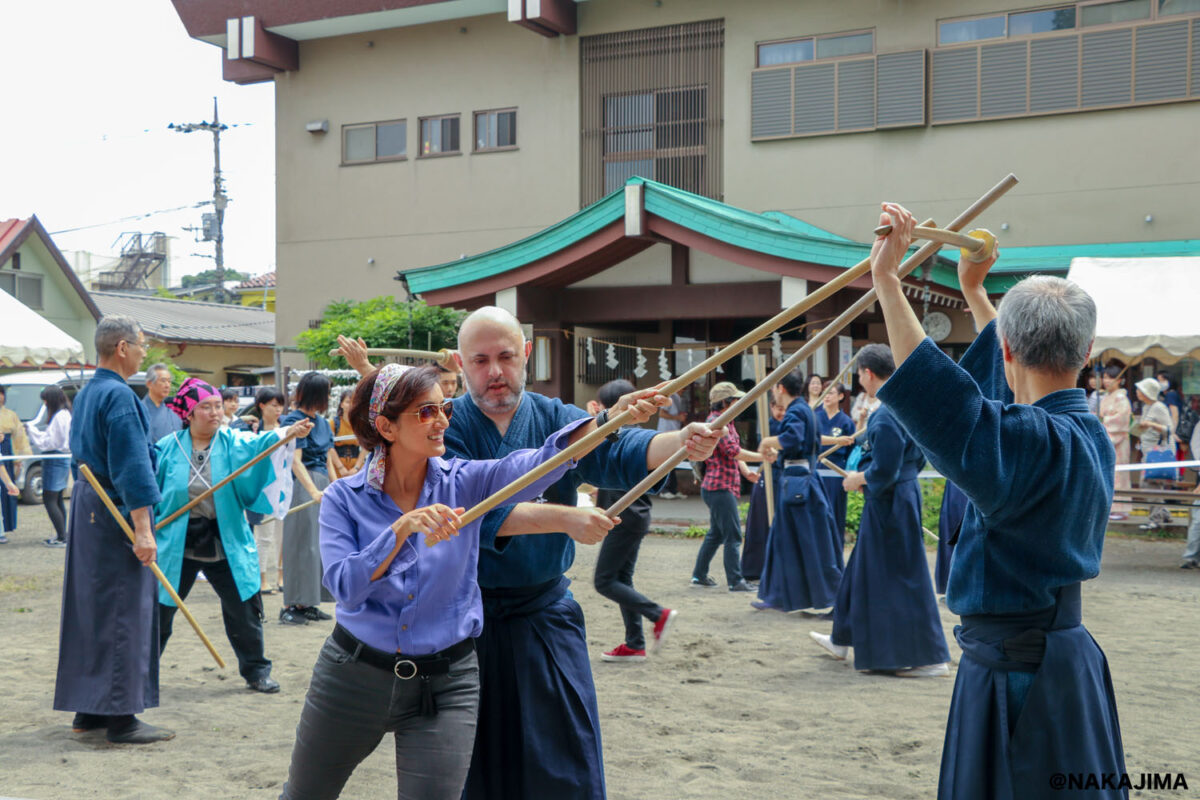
458	632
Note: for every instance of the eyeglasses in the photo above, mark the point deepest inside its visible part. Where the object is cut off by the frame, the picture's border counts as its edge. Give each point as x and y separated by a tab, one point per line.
134	343
427	413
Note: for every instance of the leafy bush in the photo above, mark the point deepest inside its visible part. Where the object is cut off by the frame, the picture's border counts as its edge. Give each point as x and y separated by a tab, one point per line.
381	322
158	355
931	507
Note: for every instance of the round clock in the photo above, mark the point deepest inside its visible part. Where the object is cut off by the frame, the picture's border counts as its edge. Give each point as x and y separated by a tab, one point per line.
937	325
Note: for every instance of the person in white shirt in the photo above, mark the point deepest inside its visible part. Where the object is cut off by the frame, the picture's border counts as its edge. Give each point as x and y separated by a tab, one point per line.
54	441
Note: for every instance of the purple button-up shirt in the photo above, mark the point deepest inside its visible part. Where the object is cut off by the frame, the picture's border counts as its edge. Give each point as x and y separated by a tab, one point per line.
428	599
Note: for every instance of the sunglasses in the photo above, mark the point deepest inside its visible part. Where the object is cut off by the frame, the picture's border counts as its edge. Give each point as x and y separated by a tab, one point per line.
427	413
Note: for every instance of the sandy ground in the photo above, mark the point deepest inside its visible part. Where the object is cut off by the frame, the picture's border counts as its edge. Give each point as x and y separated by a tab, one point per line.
738	703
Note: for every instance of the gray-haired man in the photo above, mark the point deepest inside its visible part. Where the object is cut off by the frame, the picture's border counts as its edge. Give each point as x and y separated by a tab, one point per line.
163	421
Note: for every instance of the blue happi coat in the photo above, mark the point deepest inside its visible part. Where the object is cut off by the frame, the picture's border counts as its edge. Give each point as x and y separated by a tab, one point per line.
538	733
228	450
1033	695
885	608
801	568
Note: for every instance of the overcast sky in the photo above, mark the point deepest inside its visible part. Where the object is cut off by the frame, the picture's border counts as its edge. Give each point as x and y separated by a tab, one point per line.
89	89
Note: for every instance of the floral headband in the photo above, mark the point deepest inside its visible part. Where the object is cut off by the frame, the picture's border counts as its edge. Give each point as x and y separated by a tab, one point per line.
385	382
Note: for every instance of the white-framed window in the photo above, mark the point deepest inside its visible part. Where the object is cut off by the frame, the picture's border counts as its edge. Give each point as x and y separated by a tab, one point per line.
369	142
1068	17
439	135
23	286
495	129
815	48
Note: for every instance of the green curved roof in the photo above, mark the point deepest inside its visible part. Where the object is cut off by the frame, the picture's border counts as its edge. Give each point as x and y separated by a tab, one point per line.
770	232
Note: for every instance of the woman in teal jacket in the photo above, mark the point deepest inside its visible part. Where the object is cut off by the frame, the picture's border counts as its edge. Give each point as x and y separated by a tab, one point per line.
214	536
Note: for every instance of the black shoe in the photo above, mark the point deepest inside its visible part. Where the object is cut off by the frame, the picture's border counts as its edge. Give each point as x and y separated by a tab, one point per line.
314	614
82	723
54	543
703	583
131	730
741	586
266	684
1190	563
292	615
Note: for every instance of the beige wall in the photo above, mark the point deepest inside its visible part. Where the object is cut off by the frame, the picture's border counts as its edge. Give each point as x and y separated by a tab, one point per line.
208	362
1086	177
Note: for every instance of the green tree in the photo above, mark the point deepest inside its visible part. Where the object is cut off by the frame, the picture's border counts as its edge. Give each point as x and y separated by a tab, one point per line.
158	355
381	322
210	276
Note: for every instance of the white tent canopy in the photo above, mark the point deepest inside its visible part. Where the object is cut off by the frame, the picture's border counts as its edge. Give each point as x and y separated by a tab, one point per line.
1145	307
28	338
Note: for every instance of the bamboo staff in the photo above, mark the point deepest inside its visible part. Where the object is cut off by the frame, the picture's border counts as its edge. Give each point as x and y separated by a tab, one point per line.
764	414
826	453
294	509
820	340
158	573
939	235
192	503
443	357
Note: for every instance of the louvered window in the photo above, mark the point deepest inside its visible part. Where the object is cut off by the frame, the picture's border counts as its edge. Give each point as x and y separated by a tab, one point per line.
1105	68
838	96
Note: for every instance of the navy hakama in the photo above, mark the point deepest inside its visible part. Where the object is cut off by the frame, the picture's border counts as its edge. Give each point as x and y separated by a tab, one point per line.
885	607
754	545
954	506
800	569
535	676
108	640
1033	696
839	425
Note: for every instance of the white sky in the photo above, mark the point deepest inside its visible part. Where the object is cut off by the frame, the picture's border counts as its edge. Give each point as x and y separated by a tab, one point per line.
88	91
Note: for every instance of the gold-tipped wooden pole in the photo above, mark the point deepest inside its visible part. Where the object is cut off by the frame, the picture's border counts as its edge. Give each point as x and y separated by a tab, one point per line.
830	465
158	573
764	414
443	357
939	235
820	340
192	503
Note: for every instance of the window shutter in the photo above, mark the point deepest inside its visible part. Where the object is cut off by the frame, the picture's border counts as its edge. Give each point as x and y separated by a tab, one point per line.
900	100
1107	70
771	102
856	94
814	99
1196	58
1054	74
1002	79
955	84
1161	68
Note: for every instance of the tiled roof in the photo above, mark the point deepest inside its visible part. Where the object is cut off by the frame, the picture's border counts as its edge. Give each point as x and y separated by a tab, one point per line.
265	281
11	229
192	320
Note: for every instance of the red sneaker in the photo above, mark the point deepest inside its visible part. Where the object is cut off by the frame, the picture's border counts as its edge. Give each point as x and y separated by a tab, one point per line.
660	628
623	653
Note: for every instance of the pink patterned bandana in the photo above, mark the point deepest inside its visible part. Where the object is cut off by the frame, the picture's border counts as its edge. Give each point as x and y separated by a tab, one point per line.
385	382
192	393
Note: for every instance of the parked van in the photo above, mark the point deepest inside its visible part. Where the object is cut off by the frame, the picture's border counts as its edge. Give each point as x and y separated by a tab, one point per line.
23	394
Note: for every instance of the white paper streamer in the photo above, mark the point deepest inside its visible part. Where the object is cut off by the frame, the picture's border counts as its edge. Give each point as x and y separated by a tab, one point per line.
591	354
664	366
610	356
777	347
639	369
719	368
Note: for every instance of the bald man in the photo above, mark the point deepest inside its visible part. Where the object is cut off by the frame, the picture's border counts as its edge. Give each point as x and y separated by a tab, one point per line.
539	726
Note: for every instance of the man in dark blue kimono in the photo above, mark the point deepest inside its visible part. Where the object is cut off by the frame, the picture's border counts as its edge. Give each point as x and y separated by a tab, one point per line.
885	607
108	643
801	567
538	734
954	507
1033	697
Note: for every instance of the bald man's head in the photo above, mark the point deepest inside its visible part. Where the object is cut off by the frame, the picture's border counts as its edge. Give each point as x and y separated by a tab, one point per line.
492	352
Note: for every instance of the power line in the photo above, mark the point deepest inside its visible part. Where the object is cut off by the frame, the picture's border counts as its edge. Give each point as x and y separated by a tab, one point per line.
146	215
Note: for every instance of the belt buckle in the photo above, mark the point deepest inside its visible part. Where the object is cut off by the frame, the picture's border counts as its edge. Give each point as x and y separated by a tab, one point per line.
396	669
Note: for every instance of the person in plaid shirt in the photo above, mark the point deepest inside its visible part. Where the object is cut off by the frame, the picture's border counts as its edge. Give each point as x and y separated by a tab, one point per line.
720	491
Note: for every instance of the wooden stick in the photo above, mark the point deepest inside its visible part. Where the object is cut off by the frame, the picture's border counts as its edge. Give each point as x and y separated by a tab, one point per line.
855	435
930	533
836	380
294	509
764	414
192	503
444	357
939	235
834	467
820	340
158	573
1159	493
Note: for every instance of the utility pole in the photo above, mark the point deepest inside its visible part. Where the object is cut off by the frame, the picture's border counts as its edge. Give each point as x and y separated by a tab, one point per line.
220	200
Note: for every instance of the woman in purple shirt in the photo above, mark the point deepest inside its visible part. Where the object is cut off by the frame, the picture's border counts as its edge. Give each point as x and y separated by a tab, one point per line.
402	656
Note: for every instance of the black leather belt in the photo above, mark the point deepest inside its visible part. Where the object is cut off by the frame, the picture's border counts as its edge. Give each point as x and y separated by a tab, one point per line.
406	667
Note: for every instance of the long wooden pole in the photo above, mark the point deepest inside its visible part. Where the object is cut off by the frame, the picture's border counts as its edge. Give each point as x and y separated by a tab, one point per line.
820	340
586	443
939	235
192	503
827	453
764	414
443	357
158	573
